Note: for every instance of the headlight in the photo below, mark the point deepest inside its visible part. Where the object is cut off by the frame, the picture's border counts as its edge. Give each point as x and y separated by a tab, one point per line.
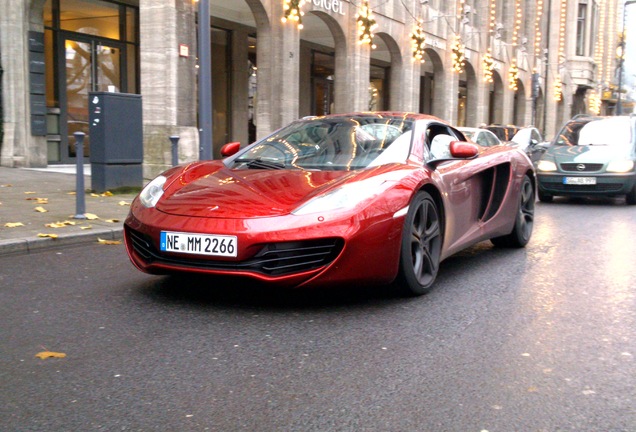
620	166
545	165
345	197
152	192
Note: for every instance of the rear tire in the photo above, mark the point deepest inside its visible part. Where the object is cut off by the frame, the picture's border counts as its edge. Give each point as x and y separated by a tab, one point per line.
524	222
421	246
630	198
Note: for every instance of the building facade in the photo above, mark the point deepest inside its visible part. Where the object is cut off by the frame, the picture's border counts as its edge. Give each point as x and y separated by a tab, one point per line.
469	62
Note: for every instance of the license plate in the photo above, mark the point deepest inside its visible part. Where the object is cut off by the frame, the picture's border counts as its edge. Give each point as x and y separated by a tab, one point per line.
579	180
200	244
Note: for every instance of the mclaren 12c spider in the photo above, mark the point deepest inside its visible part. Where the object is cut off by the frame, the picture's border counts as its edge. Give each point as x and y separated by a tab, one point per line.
365	198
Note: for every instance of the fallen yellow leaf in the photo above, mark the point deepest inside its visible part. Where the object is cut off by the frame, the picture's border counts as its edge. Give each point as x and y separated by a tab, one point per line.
30	193
86	227
41	210
112	220
94	195
123	203
71	193
107	194
13	224
53	236
42	200
7	185
55	225
48	354
91	216
108	242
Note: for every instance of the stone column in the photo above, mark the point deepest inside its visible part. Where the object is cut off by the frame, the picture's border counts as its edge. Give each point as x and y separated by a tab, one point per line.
352	70
168	82
19	148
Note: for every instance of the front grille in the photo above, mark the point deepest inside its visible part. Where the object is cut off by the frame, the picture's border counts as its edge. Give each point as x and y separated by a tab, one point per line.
273	259
599	187
575	167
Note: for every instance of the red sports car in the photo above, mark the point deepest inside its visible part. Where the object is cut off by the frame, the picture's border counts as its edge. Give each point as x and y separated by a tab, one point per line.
364	197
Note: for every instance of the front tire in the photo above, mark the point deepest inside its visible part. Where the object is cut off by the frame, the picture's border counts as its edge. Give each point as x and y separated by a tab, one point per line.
421	246
544	197
630	198
524	222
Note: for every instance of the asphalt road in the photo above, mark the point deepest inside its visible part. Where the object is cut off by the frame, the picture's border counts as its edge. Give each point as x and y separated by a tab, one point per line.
538	339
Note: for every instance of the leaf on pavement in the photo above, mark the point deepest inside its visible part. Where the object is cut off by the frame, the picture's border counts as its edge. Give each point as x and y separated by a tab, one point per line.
112	220
91	216
107	194
41	210
108	242
71	193
123	203
49	354
53	236
55	225
86	227
30	193
13	224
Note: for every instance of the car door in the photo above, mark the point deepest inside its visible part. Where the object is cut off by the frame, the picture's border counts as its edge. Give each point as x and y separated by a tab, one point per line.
471	190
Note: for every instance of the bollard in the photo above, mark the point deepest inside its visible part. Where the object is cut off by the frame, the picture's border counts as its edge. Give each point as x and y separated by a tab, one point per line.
174	139
80	205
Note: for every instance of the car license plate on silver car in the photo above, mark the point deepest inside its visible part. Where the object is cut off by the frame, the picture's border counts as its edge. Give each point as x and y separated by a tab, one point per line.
201	244
579	180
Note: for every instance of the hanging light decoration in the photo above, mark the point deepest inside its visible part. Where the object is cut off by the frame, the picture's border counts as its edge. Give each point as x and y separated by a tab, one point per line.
487	61
513	76
538	36
558	89
459	61
558	85
595	103
417	41
513	73
366	24
292	12
489	66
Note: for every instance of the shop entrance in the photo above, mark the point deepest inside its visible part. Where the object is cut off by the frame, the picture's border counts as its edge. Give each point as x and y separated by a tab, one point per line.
91	65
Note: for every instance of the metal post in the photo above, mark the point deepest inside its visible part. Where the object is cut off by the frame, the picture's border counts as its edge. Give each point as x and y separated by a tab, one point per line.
621	61
80	204
174	139
205	82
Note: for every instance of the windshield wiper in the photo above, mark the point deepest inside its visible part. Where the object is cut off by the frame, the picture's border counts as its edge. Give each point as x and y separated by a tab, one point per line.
260	163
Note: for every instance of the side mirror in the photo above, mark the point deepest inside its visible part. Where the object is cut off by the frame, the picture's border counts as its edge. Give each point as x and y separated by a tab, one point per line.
230	149
463	150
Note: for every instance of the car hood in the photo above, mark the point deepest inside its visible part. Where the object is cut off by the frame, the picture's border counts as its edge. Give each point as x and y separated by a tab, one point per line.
225	193
586	154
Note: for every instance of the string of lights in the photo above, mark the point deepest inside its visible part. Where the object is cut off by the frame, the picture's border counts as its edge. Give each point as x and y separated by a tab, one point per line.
513	72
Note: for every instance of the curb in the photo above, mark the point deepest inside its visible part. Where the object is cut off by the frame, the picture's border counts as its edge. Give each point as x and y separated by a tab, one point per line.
27	246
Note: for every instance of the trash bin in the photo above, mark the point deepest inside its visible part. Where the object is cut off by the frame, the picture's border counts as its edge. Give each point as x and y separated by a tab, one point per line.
116	134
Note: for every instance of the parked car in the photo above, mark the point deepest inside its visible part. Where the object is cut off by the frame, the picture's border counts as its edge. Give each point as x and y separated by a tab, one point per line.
591	156
350	198
483	137
503	132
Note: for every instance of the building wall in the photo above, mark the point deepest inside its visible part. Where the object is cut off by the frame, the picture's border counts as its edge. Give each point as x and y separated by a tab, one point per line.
168	79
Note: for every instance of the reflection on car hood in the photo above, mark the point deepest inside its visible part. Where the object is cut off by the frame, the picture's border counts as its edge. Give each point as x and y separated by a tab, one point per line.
587	154
247	193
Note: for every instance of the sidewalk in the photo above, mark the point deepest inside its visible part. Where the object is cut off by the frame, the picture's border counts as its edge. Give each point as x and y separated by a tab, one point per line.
25	193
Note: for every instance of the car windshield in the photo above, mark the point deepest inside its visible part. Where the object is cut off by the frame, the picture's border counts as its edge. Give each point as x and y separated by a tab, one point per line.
335	143
613	131
468	134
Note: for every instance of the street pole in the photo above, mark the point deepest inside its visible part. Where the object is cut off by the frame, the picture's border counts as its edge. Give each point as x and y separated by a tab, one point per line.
621	61
205	82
